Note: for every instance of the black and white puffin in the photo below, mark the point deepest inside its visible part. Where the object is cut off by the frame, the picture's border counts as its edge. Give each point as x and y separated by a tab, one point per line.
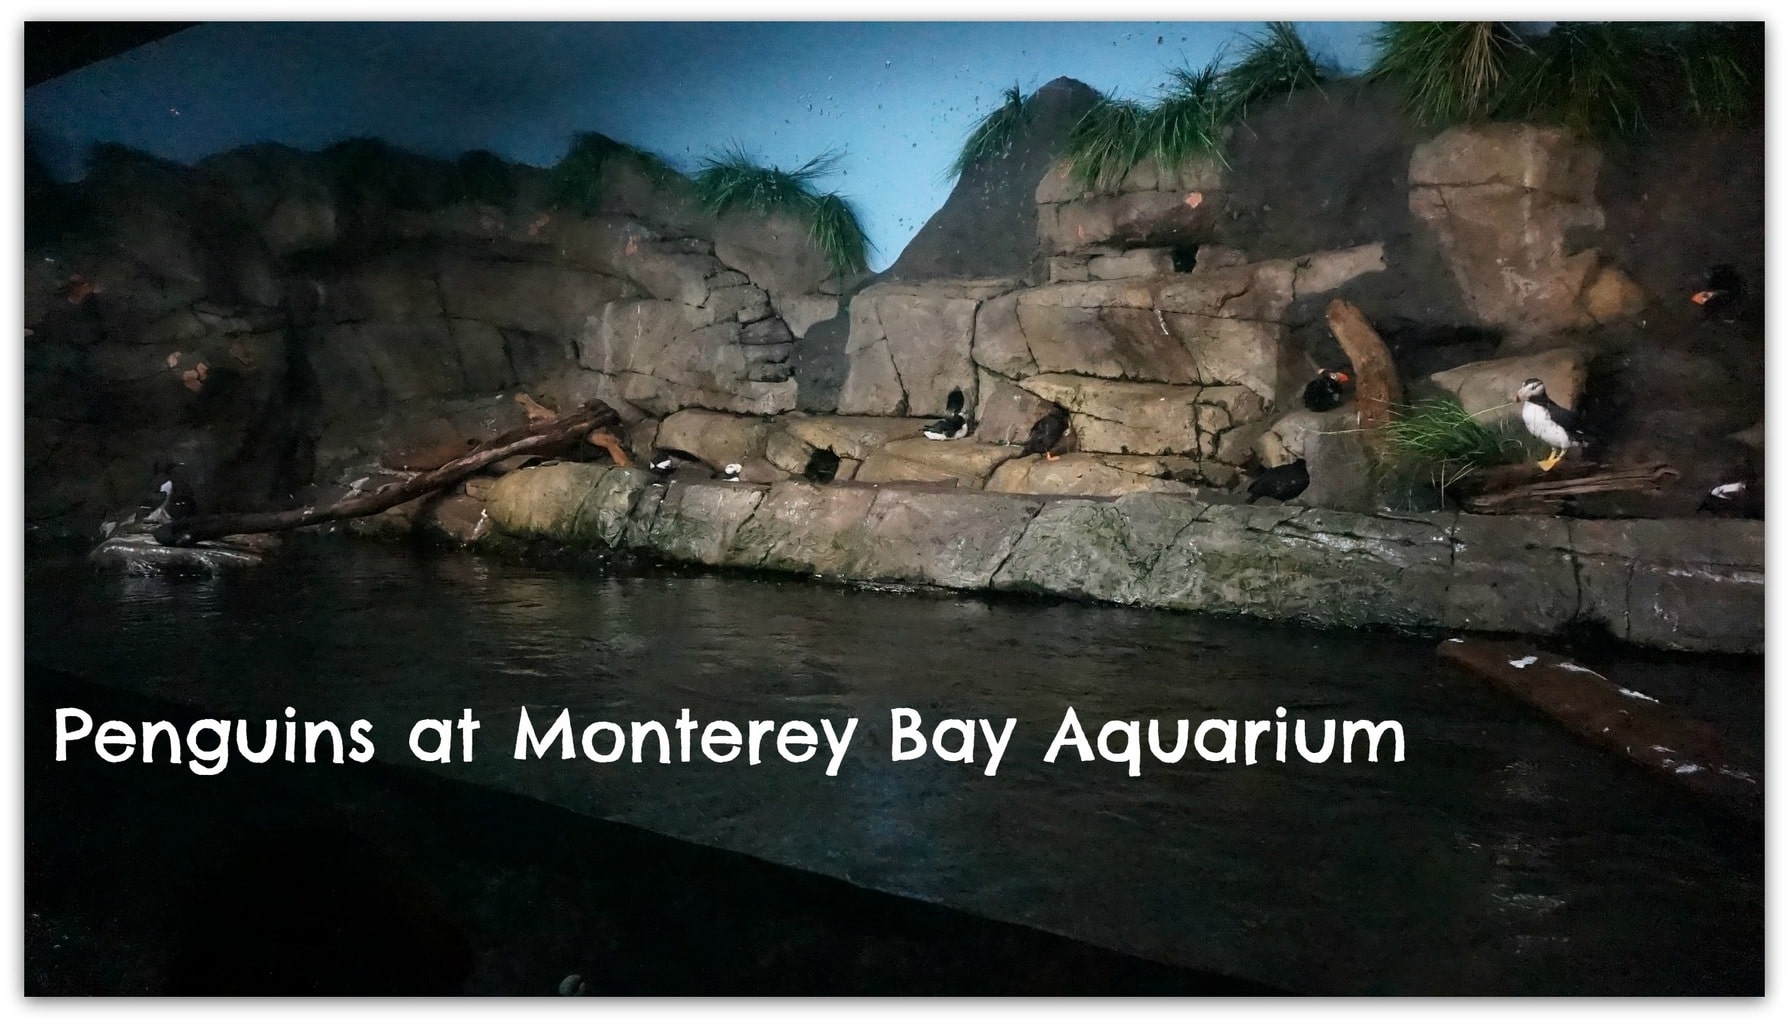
730	471
954	425
670	461
1549	421
1743	498
1046	434
1326	391
172	498
822	466
1281	482
1722	294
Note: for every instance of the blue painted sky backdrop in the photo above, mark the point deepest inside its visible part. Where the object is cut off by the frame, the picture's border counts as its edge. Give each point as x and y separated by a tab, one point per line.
896	97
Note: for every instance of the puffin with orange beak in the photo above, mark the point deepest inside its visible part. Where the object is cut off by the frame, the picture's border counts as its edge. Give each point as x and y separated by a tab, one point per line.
1326	391
1549	421
1722	294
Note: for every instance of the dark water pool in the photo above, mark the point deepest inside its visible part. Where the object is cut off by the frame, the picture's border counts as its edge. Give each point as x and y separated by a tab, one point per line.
1501	856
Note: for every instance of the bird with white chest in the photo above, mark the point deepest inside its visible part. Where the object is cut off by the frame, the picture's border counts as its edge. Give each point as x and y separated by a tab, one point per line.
1549	421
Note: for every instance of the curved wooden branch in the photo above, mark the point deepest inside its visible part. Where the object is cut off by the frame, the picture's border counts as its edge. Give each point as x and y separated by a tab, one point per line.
535	438
1377	390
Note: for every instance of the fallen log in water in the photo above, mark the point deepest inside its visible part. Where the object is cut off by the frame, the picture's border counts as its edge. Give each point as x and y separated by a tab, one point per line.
535	438
1686	751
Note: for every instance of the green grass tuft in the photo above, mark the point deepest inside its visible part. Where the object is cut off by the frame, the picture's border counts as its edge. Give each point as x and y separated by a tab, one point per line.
1719	69
734	182
1450	72
373	172
1439	439
578	182
1592	78
1187	122
994	134
481	176
1109	140
1273	65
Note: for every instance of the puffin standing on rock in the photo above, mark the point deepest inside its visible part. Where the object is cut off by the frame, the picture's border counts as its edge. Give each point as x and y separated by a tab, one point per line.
173	500
1326	391
1549	421
1046	434
954	425
1281	482
667	461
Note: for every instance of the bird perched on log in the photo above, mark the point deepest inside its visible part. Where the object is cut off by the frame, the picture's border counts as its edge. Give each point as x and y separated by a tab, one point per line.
1741	498
172	498
1281	482
1326	391
1549	421
1722	294
954	425
1046	434
822	466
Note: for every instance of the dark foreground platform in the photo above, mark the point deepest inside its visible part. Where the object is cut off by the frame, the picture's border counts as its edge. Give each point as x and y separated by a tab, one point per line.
376	879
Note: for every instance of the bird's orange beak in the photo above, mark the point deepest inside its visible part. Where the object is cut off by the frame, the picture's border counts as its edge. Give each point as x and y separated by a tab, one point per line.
1702	298
1341	378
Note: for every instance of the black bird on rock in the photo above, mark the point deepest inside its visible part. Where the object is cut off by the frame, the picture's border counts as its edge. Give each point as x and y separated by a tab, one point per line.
1741	498
670	461
1326	391
1722	294
172	498
1046	434
822	466
1281	482
954	425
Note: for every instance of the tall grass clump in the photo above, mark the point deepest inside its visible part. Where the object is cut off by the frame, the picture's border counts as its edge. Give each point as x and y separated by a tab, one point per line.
1719	68
1438	439
374	173
577	183
1450	72
1108	140
734	182
1592	78
1187	121
481	176
995	133
1273	65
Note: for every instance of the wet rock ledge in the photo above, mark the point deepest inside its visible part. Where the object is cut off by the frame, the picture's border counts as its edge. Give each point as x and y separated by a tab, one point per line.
1695	585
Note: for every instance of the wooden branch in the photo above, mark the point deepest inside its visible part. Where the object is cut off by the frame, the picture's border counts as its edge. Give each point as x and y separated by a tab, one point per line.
1377	390
1498	493
544	436
1633	725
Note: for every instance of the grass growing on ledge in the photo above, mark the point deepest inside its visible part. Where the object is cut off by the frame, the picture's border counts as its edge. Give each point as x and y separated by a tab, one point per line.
734	182
1188	121
481	176
994	134
1274	65
578	181
1108	140
1591	78
1449	71
1439	439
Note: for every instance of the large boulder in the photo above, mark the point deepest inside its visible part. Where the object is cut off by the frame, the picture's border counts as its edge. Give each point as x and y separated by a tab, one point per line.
1487	390
919	460
1078	473
1508	203
1152	206
851	437
1126	417
910	346
718	438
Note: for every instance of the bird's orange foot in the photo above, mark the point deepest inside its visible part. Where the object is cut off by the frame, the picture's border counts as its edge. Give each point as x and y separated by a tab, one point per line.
1546	465
1051	456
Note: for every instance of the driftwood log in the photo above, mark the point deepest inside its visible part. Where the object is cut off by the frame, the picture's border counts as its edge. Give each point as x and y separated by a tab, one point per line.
538	437
1377	390
1683	750
1523	489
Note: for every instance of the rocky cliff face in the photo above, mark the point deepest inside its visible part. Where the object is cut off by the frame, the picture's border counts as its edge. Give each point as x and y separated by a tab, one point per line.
277	323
